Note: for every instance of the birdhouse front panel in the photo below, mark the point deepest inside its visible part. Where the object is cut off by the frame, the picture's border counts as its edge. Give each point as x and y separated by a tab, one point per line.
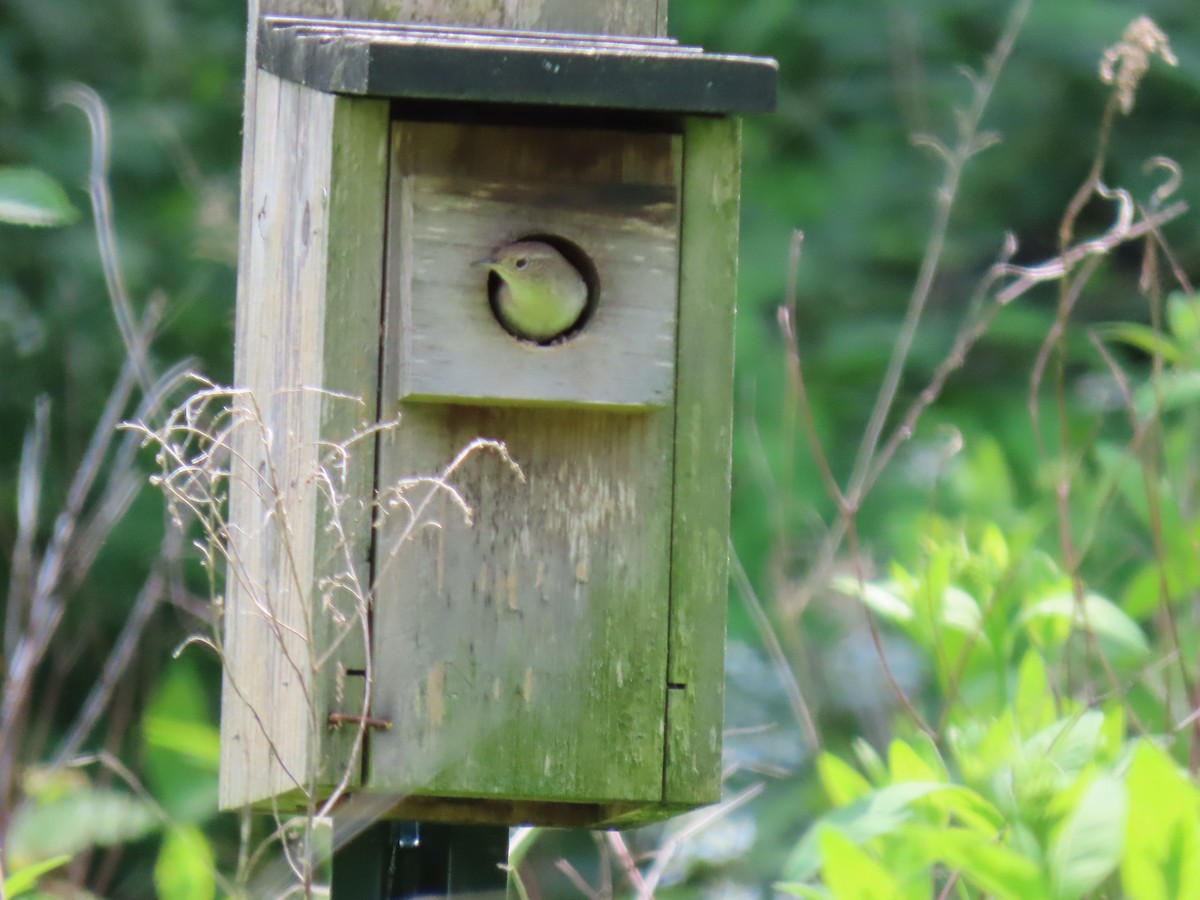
521	648
610	199
521	652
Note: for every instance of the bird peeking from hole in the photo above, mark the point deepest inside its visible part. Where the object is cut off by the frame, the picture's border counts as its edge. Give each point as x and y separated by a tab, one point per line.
540	294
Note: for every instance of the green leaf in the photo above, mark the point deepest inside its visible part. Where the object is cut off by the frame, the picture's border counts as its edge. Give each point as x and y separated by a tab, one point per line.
957	609
1033	703
31	197
1143	337
870	762
1069	744
1183	318
198	741
842	783
1175	390
1180	568
983	480
67	825
929	599
182	744
968	807
981	861
905	764
1107	621
981	747
880	599
960	611
26	878
185	866
878	813
848	871
1088	846
1162	834
994	548
1111	744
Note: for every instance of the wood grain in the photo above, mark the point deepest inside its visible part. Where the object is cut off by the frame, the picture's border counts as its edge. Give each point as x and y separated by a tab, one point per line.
307	330
459	192
629	17
704	411
524	657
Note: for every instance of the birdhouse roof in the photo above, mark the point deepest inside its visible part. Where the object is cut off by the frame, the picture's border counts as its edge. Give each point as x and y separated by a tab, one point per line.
491	66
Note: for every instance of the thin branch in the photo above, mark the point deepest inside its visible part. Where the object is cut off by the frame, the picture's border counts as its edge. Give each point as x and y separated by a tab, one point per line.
787	678
118	660
30	476
88	101
969	143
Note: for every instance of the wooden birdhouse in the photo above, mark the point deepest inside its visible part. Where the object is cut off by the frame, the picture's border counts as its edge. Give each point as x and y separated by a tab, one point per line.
555	656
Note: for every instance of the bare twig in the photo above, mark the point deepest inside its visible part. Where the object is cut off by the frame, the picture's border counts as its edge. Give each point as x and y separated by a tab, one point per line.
695	823
46	603
779	661
144	605
578	880
29	496
969	141
88	101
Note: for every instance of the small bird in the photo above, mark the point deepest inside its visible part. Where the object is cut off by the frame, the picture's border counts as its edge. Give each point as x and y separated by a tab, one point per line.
541	294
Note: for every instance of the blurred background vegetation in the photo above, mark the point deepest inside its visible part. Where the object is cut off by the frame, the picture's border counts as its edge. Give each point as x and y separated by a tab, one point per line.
837	161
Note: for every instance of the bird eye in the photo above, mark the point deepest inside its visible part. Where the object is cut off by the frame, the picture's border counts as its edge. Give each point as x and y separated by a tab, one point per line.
521	262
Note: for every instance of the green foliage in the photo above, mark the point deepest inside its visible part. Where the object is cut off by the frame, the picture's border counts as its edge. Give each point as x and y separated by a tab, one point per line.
1049	813
77	819
185	866
1043	678
1029	788
24	880
1162	833
837	161
181	744
31	197
68	815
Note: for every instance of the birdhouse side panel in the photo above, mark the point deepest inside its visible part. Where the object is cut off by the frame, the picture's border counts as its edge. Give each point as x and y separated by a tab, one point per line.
311	175
703	433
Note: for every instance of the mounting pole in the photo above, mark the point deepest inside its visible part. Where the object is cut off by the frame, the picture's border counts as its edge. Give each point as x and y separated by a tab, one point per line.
401	860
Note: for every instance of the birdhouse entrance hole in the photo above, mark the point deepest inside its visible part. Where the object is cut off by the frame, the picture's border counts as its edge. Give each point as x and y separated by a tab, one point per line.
582	263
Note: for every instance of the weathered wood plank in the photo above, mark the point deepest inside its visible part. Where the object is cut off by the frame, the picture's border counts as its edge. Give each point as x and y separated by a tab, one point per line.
352	315
524	657
264	716
463	191
302	335
704	414
645	17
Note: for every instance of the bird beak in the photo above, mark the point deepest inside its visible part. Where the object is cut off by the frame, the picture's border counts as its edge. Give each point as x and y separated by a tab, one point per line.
486	263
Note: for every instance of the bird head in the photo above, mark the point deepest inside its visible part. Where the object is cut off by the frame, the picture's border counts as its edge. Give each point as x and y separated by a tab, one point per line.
527	262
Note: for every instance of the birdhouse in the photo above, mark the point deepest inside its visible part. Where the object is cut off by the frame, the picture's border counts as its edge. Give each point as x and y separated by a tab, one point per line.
531	630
